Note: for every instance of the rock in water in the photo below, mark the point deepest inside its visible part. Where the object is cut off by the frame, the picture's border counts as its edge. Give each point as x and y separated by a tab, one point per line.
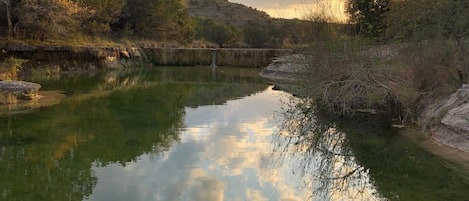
287	68
20	89
453	128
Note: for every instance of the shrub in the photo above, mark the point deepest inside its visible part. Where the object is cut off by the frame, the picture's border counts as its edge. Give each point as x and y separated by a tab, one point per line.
395	80
9	68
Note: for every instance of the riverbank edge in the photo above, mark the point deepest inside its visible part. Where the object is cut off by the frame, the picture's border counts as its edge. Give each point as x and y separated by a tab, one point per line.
86	58
442	121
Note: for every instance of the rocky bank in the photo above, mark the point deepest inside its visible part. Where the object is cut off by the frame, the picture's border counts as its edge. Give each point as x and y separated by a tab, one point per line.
289	68
67	58
446	122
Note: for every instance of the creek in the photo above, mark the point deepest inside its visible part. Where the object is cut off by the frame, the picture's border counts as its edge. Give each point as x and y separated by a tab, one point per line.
201	133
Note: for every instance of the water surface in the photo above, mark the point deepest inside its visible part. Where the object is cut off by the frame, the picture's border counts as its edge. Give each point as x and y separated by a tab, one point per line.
198	133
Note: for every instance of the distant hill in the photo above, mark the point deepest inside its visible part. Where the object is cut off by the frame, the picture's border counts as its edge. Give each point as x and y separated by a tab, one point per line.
228	13
258	29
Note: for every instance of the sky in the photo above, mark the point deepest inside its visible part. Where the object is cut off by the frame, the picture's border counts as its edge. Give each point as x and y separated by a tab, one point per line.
298	8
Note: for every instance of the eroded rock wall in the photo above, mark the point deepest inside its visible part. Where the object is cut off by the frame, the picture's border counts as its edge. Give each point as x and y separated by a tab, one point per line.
448	121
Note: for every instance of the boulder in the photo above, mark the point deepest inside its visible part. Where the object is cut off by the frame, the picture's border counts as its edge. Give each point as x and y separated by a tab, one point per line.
287	68
452	120
134	52
458	118
124	54
20	89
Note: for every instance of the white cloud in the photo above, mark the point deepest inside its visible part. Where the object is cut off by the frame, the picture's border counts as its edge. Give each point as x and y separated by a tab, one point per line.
255	195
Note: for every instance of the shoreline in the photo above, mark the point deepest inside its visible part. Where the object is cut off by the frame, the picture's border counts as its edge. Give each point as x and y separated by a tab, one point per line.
284	72
76	58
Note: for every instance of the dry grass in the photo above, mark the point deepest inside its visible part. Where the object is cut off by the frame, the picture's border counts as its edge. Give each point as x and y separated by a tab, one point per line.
75	41
9	68
396	80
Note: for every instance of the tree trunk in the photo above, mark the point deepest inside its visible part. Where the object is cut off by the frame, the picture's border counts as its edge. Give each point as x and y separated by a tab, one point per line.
462	63
10	24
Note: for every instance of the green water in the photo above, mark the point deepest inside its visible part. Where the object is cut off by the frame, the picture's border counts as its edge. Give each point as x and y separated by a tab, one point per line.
196	133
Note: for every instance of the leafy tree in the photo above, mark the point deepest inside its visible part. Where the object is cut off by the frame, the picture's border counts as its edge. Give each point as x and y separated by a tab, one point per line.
47	19
414	20
107	12
368	16
442	20
10	15
159	20
454	19
256	35
175	22
210	30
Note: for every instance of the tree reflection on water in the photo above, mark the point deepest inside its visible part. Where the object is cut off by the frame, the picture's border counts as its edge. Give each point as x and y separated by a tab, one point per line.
319	153
362	160
50	153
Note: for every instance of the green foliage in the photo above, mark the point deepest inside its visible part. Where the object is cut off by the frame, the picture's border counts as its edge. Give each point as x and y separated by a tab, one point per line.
455	18
419	20
368	16
257	35
159	20
210	30
414	20
442	20
107	12
49	19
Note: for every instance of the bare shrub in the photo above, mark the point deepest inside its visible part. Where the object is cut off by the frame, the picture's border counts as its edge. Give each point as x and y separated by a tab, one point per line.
345	81
356	89
399	82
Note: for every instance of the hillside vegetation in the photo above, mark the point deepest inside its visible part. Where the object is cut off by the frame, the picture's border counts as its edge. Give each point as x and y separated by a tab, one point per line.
227	13
230	24
399	58
196	23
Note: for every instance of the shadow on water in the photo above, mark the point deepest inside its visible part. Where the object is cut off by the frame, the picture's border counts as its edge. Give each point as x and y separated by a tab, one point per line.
108	117
362	160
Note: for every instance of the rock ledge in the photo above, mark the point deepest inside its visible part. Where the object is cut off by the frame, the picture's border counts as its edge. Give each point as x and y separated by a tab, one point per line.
452	115
19	89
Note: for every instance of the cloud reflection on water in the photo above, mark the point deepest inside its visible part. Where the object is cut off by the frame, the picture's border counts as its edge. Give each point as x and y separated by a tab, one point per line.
223	154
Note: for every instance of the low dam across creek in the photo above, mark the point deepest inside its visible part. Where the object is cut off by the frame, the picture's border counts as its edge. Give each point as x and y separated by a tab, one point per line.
203	56
109	57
